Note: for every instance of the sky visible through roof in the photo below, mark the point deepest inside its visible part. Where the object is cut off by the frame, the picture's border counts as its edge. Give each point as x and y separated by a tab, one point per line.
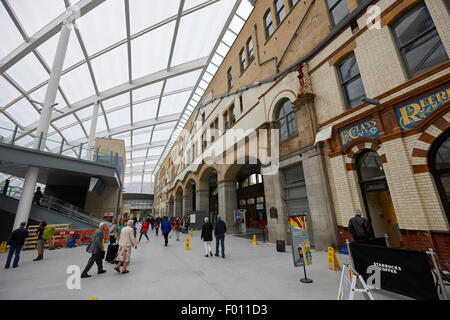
148	63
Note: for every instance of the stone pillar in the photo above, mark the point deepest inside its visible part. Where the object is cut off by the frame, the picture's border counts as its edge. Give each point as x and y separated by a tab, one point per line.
324	226
187	205
273	193
170	211
202	200
228	203
178	208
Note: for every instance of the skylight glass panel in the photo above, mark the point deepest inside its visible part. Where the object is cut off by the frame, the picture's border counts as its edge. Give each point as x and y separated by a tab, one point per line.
34	15
24	141
229	38
217	60
141	138
236	24
207	77
222	49
111	68
10	37
127	179
121	100
23	112
245	9
103	26
138	164
145	111
173	104
73	133
139	154
101	125
155	151
162	135
87	126
77	84
119	118
53	143
211	69
146	92
150	52
85	113
63	122
182	82
144	13
8	92
189	45
28	72
73	54
5	122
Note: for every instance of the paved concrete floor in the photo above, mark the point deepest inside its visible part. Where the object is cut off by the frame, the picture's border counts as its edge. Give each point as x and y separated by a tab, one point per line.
171	273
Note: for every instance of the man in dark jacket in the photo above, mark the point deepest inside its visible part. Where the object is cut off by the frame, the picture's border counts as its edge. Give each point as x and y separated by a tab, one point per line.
165	229
359	227
206	236
219	232
95	247
15	242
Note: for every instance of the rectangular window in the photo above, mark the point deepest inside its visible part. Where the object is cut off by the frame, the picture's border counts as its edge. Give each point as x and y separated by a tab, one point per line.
280	12
232	115
418	41
230	79
338	10
292	3
242	60
351	82
268	24
225	121
250	53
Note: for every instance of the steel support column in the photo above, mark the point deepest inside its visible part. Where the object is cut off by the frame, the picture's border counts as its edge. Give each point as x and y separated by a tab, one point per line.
23	209
92	130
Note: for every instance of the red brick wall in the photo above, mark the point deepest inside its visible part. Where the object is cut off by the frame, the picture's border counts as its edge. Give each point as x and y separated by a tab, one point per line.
419	241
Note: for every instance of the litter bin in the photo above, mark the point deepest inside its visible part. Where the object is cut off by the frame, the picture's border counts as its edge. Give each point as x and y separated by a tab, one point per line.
281	246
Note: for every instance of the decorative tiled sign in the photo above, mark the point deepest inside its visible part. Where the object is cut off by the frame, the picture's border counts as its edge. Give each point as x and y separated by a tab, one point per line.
365	129
414	112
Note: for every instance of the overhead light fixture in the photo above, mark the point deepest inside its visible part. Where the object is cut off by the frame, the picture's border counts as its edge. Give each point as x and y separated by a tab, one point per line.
371	101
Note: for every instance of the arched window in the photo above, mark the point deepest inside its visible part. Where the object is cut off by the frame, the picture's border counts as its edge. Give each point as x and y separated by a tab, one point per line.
371	172
439	163
286	119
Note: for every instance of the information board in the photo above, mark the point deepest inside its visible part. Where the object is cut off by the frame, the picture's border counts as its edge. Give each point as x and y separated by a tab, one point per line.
301	250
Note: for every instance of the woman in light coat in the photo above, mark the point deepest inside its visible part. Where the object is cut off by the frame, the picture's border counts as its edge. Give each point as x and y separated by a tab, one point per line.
126	241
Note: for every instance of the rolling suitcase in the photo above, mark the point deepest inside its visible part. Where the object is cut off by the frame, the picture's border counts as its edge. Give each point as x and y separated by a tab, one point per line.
112	252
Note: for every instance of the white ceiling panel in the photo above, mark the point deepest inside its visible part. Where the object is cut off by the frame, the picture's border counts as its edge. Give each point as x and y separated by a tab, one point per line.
145	13
111	68
8	92
23	112
10	37
174	103
77	84
28	72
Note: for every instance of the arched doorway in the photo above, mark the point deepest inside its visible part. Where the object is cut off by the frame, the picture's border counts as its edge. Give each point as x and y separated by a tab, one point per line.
377	198
439	164
250	193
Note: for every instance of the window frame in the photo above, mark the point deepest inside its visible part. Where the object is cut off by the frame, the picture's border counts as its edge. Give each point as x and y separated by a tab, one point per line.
421	37
330	9
278	119
242	60
277	12
230	78
266	27
252	57
343	83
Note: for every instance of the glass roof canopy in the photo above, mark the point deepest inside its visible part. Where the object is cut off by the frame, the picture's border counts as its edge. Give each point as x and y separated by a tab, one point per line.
147	63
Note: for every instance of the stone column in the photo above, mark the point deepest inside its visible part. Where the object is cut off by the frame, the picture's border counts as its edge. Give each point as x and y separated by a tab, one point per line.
320	201
202	200
228	203
187	205
178	208
273	193
170	211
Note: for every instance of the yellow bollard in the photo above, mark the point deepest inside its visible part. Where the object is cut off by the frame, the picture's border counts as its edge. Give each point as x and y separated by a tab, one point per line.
254	240
3	247
93	298
187	244
192	232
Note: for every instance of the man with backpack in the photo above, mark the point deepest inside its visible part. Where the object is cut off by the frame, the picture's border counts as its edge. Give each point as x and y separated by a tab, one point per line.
44	233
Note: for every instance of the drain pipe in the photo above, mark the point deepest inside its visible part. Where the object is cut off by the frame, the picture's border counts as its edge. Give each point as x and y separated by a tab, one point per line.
275	59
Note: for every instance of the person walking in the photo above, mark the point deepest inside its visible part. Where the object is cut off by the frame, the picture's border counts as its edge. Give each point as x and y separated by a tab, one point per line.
40	244
15	242
165	229
207	237
359	227
156	223
112	231
95	247
220	228
178	228
144	229
126	241
37	196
